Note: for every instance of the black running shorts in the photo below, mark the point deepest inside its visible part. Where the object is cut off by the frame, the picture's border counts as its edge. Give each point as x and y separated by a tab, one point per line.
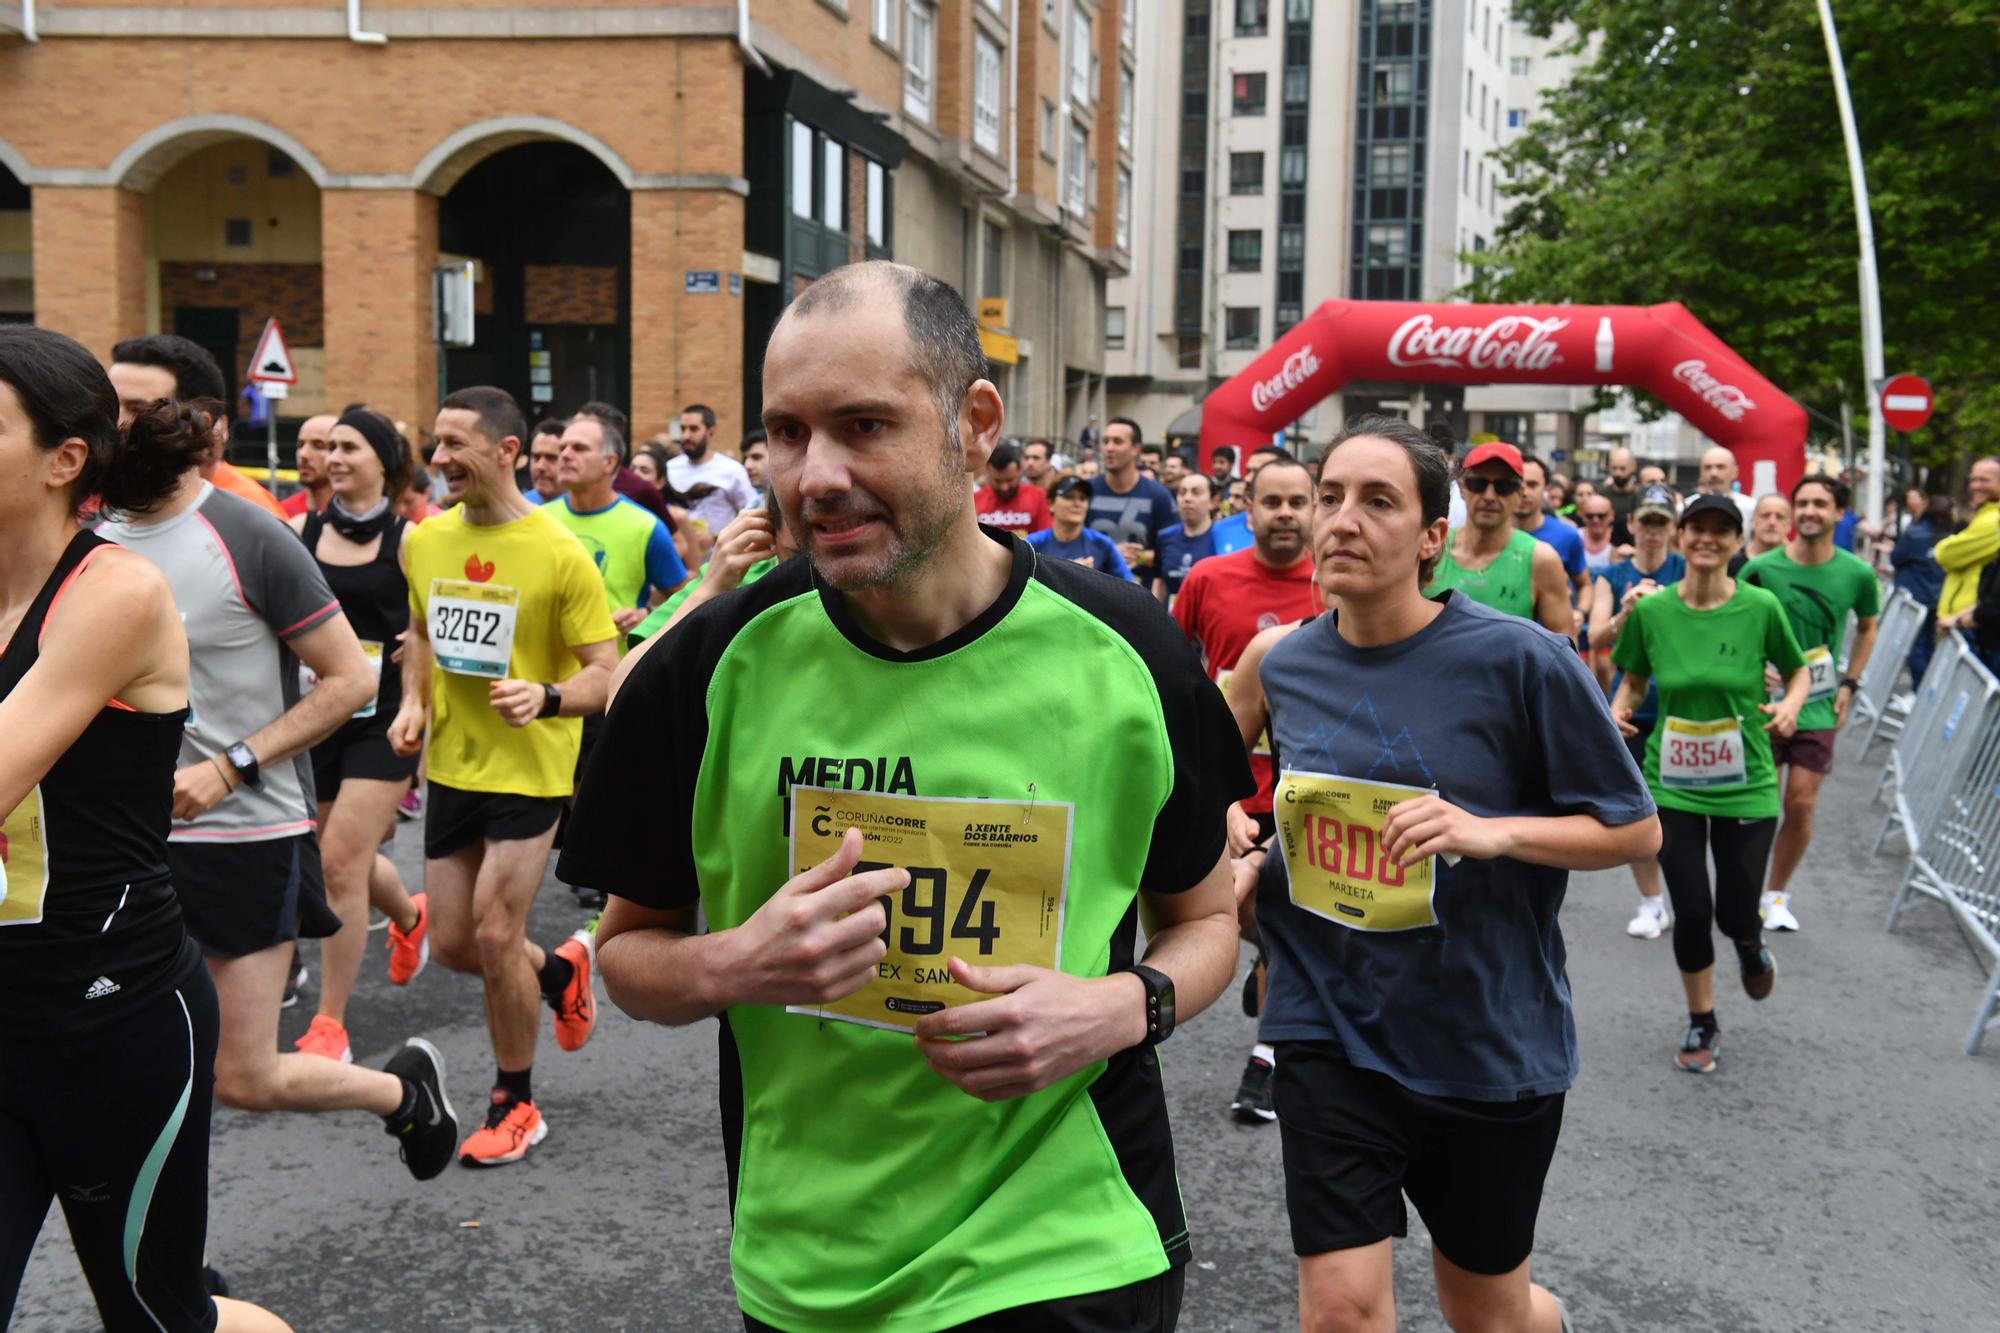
359	750
241	898
1150	1306
456	819
112	1122
1356	1141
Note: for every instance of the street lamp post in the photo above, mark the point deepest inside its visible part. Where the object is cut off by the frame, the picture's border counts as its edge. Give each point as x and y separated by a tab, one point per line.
1871	291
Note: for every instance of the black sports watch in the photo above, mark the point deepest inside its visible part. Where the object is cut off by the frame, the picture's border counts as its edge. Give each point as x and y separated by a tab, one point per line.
244	761
551	701
1159	1002
1848	683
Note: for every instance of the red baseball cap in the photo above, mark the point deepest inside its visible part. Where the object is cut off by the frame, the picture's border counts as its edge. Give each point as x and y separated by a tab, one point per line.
1490	453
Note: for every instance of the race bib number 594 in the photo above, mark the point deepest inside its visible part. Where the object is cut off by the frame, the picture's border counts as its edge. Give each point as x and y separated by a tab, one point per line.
988	881
1330	830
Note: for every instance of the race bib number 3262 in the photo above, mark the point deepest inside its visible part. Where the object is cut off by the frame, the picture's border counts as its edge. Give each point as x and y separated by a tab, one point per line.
988	880
1330	830
471	626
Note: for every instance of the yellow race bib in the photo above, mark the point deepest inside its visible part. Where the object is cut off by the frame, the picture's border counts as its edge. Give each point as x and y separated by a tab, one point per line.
988	880
24	862
1330	831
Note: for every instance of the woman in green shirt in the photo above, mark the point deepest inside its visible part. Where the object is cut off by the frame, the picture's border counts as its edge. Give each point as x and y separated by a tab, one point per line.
1704	643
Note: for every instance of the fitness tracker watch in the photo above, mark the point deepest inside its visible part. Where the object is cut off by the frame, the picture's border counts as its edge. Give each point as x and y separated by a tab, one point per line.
244	762
1159	1003
551	701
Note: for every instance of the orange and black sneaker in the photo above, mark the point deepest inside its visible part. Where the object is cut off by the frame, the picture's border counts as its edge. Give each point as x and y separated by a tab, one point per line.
576	1007
409	952
326	1037
511	1128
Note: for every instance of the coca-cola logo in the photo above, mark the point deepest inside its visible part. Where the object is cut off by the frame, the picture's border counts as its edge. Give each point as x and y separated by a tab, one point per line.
1299	367
1726	399
1512	342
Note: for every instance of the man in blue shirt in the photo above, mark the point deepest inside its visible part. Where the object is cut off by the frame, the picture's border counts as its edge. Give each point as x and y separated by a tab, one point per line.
1190	540
1129	509
1068	539
1531	518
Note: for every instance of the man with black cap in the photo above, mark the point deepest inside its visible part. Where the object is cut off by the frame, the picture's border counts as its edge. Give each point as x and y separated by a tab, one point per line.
1493	562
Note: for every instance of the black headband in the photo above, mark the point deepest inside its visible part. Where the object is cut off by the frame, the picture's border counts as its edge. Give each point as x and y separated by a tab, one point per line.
382	438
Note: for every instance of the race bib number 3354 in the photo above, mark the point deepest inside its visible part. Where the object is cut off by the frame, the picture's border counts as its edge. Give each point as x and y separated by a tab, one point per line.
1330	830
988	880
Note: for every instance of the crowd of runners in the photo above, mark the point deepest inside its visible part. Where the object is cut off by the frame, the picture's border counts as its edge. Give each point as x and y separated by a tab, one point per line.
1362	713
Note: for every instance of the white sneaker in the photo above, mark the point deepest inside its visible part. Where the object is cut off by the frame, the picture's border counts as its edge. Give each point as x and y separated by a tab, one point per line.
1649	920
1901	704
1777	916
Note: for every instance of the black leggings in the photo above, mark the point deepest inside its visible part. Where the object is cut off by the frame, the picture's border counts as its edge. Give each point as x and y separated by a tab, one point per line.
114	1124
1742	846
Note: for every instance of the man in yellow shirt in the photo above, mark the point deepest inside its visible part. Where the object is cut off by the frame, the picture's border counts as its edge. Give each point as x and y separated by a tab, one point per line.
1964	555
510	648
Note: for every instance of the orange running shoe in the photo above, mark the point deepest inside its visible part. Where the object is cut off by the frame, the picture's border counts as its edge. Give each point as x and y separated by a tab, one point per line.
328	1038
408	953
576	1011
511	1129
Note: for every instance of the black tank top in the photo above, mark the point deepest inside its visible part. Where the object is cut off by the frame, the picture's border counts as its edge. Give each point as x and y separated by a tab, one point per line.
89	924
376	600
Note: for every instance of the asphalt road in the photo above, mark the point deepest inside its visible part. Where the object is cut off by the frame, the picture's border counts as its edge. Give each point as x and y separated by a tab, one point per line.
1842	1171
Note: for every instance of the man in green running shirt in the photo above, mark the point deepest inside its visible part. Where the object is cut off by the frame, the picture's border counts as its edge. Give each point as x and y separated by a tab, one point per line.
940	1098
1492	561
1820	585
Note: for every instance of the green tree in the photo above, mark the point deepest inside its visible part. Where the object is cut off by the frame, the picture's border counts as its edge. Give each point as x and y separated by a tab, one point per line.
1697	157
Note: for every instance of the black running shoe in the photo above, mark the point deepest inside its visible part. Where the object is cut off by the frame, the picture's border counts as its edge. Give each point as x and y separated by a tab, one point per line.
427	1138
1760	971
1253	1099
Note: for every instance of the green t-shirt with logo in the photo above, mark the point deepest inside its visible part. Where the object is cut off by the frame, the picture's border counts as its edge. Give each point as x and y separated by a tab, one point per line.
868	1192
1506	583
1817	600
1709	668
664	612
631	547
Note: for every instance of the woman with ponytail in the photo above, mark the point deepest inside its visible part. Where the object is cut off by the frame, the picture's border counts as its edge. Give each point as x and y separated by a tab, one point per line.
108	1022
358	540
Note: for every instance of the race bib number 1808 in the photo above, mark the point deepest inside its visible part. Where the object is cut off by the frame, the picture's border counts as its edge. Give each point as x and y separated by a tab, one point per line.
988	880
1330	830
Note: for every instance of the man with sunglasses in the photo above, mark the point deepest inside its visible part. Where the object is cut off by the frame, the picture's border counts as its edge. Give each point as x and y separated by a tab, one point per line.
1595	516
1493	562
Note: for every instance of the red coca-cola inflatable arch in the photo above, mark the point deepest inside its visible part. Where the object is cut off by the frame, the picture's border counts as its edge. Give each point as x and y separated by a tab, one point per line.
1661	348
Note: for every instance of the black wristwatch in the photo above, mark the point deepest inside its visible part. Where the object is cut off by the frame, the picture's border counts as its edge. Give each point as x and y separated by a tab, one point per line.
1848	683
1159	1002
551	701
244	761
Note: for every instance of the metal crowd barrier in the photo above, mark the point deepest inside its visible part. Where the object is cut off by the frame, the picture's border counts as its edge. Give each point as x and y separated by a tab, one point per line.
1946	770
1914	738
1903	619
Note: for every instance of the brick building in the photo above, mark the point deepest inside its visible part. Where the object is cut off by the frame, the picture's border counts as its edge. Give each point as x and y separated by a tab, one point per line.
641	187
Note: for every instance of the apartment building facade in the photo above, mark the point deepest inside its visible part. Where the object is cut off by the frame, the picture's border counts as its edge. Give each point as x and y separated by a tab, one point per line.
1295	151
640	188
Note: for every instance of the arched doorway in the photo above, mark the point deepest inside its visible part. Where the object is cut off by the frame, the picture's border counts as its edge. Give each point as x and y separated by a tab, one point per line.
17	253
233	239
550	227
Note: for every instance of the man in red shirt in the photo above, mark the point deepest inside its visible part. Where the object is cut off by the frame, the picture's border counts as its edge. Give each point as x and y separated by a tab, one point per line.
315	434
1226	601
1004	502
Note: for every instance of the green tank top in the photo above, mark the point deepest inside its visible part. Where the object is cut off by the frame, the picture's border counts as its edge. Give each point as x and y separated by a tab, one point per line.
1507	584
